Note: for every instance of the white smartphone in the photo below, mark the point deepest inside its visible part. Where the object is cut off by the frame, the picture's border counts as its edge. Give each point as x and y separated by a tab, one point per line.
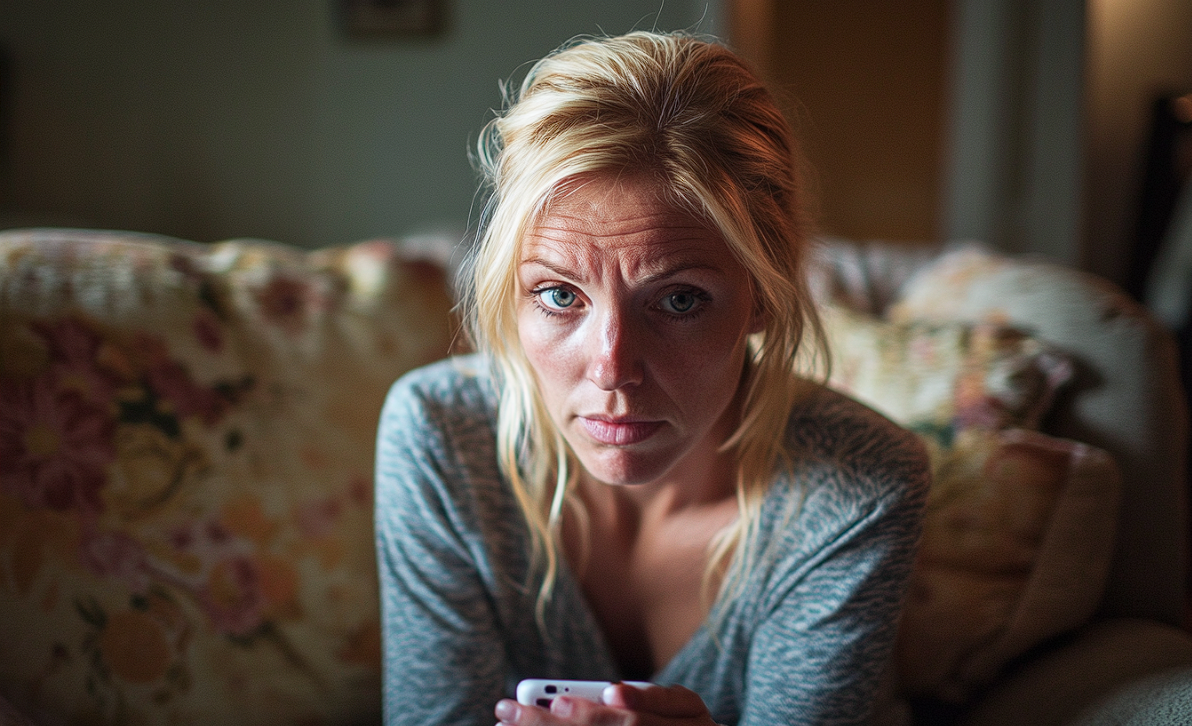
541	691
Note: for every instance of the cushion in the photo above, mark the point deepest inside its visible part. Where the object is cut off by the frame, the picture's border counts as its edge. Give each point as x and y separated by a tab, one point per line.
939	378
1017	540
186	452
1019	526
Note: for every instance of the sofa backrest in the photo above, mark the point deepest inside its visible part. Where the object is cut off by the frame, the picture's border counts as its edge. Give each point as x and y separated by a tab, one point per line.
186	455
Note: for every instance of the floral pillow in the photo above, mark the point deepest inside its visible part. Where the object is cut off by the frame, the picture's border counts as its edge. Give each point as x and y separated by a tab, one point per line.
942	378
186	451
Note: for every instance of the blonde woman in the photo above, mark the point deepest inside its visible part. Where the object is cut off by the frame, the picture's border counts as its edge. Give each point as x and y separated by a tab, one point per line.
628	481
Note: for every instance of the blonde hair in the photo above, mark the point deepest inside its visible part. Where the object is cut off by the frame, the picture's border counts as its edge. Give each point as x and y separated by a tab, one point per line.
692	113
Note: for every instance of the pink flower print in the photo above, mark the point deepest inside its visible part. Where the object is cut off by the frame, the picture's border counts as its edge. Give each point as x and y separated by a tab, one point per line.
70	341
116	555
232	596
208	332
360	491
283	302
228	582
172	382
217	534
55	446
208	540
317	519
74	354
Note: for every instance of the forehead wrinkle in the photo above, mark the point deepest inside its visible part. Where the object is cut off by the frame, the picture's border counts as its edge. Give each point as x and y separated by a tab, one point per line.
647	237
565	256
647	228
574	258
654	223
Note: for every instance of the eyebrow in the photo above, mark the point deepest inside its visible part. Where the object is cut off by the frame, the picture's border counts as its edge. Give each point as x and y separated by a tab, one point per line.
651	278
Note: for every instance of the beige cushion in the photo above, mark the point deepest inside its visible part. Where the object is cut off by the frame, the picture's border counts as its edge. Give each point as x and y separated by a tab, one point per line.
1017	541
186	452
1126	399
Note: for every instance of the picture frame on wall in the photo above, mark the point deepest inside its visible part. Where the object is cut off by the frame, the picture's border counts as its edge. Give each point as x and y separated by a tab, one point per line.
391	18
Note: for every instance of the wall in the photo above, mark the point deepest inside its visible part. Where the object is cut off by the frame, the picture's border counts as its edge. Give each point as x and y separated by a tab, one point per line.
866	85
1015	138
1050	124
1138	49
1046	111
209	119
869	75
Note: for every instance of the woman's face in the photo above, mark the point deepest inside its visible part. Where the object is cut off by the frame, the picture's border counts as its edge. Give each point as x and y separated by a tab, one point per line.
634	317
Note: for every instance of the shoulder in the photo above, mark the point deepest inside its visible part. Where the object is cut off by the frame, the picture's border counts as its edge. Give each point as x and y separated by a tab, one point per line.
437	437
849	502
460	382
845	446
452	392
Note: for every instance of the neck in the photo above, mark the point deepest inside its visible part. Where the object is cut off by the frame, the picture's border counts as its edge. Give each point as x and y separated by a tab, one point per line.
705	478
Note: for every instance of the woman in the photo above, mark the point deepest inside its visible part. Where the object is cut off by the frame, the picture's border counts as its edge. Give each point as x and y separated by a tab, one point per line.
628	481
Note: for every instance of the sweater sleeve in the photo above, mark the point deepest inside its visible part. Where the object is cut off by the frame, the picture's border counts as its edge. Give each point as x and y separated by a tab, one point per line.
444	660
828	622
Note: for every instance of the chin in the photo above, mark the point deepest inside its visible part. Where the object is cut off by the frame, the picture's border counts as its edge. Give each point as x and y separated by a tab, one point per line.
623	468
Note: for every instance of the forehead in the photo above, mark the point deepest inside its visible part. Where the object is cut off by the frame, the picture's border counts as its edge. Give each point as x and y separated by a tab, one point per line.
608	214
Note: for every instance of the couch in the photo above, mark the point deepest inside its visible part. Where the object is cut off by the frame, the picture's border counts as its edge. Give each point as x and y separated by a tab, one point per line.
186	438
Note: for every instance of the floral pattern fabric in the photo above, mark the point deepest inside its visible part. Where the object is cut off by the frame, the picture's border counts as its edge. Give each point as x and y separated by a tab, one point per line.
186	444
942	378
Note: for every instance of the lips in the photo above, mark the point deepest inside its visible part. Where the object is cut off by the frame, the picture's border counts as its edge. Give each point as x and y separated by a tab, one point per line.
618	432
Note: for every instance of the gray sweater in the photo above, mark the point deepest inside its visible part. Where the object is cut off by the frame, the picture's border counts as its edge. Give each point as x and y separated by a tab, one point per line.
804	643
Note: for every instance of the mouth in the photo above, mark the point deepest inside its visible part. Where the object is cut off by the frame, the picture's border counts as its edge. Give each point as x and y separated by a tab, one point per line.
618	431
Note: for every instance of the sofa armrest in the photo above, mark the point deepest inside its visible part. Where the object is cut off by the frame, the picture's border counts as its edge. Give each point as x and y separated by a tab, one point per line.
1113	664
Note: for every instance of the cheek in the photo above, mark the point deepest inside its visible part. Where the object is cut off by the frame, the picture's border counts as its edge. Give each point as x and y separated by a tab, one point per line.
706	370
546	349
715	348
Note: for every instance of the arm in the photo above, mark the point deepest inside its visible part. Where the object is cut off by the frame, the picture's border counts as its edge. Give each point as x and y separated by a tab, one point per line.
444	660
819	653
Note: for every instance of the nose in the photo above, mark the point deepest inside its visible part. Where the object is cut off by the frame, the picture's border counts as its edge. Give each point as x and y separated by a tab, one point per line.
616	351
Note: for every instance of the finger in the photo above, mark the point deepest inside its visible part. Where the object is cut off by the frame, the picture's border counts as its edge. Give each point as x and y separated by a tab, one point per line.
563	710
668	701
511	712
582	711
507	711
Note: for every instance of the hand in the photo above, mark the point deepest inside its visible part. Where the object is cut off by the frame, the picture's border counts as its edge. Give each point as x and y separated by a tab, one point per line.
621	705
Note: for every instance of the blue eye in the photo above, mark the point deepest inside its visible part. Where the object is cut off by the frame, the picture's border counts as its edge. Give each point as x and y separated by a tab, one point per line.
678	303
557	298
